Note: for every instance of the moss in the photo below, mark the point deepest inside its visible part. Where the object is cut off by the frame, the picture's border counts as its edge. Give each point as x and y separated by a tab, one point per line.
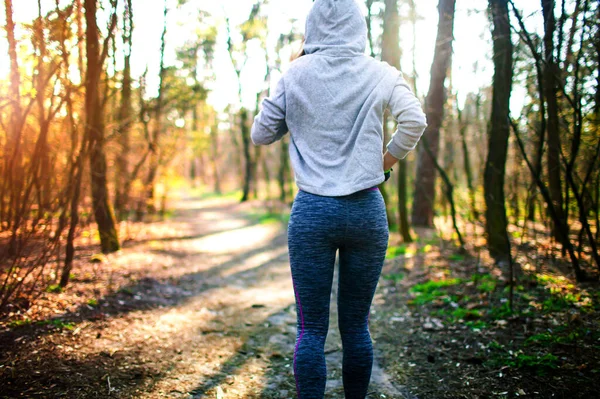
431	286
395	277
54	289
394	252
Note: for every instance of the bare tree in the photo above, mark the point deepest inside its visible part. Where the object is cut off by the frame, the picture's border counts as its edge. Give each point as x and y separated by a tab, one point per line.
391	54
550	95
496	221
124	118
157	131
249	31
94	129
13	170
424	196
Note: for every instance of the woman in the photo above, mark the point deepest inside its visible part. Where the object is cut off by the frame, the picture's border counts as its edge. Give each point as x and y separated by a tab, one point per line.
332	101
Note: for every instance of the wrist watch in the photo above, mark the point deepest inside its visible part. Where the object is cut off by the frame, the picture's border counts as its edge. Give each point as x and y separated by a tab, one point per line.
388	174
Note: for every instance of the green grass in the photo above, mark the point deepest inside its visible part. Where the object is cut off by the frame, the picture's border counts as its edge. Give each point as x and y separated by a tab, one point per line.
54	289
555	304
269	217
57	323
19	323
466	314
93	302
555	337
456	257
206	195
431	286
426	248
487	286
395	277
477	325
426	298
516	234
394	252
541	363
274	218
547	361
431	290
495	345
500	312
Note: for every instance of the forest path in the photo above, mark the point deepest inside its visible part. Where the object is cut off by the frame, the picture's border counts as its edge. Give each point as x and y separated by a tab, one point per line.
210	315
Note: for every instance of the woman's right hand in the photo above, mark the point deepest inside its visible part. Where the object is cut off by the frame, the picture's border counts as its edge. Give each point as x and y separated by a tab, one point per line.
388	161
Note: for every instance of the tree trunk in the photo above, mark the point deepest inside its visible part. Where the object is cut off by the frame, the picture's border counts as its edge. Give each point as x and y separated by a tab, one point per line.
596	208
94	130
124	118
370	27
80	36
214	139
551	84
403	202
413	20
194	173
245	130
158	125
13	179
265	167
284	167
424	196
43	173
75	193
258	158
464	122
496	221
391	54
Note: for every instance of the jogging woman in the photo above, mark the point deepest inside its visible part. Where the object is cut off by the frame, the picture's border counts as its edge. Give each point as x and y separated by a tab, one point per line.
332	101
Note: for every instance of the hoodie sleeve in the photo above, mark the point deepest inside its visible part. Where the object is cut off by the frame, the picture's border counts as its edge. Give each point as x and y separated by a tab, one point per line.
269	125
407	111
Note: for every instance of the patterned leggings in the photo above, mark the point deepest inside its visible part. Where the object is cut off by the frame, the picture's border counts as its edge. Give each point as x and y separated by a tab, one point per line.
356	225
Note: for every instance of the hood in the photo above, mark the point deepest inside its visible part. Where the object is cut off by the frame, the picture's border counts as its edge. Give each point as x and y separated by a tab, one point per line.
336	28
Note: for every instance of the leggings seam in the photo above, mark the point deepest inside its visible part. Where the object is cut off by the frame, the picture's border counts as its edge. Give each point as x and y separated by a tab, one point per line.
299	337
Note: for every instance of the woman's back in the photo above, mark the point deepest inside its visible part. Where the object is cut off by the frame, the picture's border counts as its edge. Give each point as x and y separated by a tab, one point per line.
332	101
335	107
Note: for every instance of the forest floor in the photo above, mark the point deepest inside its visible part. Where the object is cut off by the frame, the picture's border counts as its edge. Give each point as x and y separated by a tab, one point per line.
201	305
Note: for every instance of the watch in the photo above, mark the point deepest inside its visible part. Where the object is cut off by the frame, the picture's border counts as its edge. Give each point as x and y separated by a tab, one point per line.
388	174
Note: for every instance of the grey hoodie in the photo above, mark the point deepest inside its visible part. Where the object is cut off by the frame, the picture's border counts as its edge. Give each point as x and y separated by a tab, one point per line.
332	101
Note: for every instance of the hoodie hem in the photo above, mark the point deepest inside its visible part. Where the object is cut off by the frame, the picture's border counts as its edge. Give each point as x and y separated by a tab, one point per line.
341	192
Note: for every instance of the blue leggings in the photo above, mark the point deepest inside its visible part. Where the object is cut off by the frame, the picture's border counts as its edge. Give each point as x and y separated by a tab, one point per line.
357	226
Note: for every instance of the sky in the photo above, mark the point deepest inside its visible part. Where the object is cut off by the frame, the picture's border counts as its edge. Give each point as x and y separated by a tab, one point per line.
472	45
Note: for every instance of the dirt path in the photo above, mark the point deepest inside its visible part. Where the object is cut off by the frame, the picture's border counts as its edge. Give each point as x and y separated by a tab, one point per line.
210	313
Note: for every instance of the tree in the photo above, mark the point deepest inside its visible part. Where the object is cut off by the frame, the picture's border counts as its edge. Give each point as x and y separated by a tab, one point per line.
550	94
197	56
124	118
12	182
391	54
94	129
499	131
157	132
463	126
252	28
424	195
